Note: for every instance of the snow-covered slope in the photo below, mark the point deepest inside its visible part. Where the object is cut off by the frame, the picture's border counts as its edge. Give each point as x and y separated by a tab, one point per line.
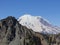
38	24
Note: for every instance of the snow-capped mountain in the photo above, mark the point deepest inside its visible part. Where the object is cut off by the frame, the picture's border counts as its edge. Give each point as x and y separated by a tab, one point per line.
38	24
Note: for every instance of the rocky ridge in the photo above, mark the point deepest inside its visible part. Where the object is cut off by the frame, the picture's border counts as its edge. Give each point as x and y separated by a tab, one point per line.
13	33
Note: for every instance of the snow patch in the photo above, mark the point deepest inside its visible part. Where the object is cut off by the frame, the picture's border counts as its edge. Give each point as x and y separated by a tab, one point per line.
38	24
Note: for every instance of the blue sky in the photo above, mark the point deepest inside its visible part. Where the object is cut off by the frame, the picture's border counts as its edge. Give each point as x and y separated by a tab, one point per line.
49	9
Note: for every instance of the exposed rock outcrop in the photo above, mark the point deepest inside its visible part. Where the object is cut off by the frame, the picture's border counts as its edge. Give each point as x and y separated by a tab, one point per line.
13	33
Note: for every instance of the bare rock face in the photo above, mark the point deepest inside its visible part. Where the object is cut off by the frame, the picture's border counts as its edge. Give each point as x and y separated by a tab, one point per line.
13	33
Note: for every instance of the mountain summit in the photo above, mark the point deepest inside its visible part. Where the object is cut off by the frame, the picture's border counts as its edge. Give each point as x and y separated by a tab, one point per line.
13	33
38	24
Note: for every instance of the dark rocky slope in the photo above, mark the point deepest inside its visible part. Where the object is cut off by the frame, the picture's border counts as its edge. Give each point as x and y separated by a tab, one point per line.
13	33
